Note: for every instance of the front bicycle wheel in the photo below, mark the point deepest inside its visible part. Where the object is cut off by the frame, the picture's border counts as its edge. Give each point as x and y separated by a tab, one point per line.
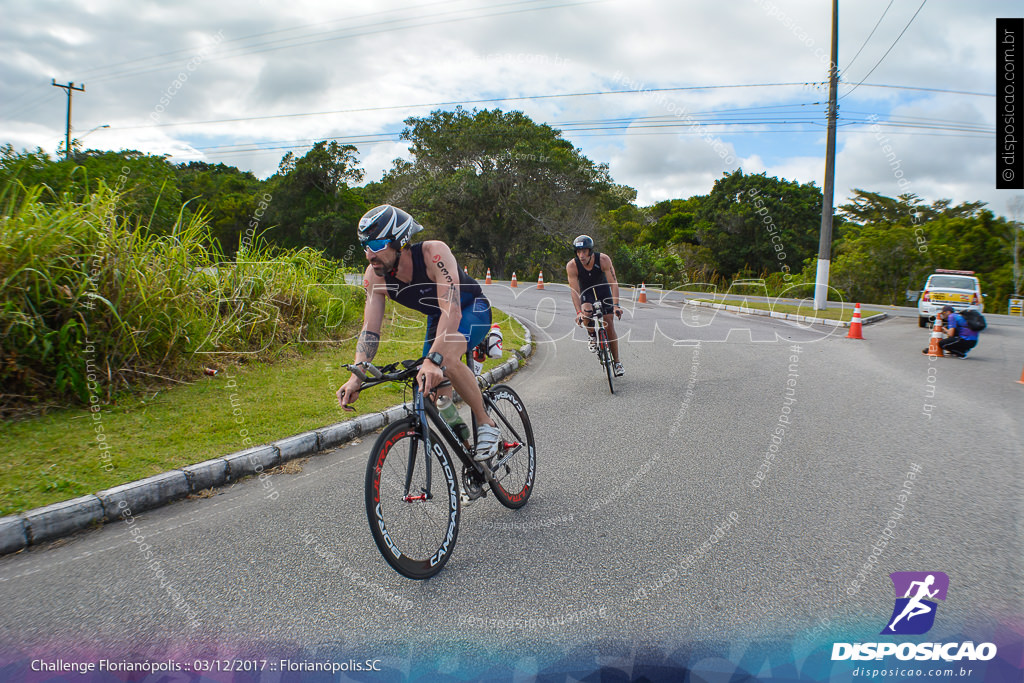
605	349
412	500
515	465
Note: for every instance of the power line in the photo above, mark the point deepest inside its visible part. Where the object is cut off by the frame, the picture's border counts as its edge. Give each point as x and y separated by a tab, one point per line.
617	127
910	87
185	52
869	35
534	97
304	41
889	50
458	102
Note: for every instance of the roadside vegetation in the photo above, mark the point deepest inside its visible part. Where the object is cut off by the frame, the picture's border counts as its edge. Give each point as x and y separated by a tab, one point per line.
248	402
92	303
844	312
127	352
510	194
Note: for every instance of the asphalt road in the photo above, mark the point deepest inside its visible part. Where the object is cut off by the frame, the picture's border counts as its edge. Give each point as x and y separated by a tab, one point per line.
649	531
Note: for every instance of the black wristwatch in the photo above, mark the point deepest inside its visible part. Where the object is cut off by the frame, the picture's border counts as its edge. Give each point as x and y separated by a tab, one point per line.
436	358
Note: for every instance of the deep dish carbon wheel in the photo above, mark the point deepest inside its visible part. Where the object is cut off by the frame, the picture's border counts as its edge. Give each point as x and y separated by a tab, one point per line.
604	350
412	500
515	465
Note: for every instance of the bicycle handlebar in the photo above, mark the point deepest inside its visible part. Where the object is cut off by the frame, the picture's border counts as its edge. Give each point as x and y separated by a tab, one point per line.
371	375
600	311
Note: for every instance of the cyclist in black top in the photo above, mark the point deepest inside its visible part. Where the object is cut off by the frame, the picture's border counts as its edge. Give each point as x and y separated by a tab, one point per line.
426	278
592	278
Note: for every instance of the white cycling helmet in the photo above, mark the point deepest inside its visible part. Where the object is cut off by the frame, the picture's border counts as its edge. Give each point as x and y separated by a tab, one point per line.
387	222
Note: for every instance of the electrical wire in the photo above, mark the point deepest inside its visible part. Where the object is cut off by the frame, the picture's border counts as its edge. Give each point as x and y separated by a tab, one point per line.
305	41
869	35
887	51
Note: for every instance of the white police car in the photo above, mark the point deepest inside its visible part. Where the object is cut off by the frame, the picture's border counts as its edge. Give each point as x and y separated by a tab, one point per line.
956	288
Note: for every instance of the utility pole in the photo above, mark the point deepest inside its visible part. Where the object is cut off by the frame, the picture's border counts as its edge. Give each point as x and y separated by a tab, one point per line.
69	88
1016	210
828	193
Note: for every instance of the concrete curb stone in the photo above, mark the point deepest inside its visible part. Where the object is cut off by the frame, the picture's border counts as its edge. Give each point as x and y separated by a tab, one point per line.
144	494
206	475
59	519
335	435
13	535
297	446
786	316
252	461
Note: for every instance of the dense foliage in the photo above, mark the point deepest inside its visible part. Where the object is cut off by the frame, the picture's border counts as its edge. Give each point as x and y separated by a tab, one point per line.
140	238
890	245
92	303
503	191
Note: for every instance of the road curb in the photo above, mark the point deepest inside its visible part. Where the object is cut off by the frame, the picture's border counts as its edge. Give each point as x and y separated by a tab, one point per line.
784	316
67	517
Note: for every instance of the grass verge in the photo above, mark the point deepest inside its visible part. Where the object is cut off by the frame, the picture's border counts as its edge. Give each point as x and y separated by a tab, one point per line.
57	456
844	313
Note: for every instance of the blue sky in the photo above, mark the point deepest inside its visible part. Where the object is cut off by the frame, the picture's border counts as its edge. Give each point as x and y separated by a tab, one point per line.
733	67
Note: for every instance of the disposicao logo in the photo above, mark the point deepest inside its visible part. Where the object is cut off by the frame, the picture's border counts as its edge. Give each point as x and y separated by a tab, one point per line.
913	614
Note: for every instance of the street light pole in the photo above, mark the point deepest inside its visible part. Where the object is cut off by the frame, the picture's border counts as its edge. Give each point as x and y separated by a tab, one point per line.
93	130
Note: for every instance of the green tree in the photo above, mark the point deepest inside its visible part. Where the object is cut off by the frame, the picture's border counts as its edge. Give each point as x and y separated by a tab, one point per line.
229	197
311	203
497	187
891	244
148	185
759	224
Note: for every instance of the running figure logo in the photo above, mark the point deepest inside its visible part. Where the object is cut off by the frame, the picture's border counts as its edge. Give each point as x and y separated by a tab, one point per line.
914	612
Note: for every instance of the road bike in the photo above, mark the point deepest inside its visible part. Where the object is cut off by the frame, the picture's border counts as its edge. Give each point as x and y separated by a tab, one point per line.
413	497
604	349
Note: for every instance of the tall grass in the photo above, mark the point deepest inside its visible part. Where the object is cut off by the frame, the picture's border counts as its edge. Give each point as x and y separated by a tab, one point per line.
91	303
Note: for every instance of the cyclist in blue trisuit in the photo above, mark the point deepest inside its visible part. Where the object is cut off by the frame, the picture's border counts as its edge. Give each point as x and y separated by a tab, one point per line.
592	278
426	278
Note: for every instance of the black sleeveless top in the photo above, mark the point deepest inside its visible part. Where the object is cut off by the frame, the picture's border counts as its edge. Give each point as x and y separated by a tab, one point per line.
421	293
590	278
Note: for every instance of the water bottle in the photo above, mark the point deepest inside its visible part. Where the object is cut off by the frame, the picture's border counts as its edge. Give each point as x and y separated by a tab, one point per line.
494	342
450	414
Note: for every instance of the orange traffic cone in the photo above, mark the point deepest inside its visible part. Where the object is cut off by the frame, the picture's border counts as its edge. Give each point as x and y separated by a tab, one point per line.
855	324
1021	380
933	344
540	280
642	299
465	270
515	283
487	280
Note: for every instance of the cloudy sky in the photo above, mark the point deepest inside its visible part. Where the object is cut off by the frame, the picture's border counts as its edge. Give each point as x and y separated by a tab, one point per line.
722	84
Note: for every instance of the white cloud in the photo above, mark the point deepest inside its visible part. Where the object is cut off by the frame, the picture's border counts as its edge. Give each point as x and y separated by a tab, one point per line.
313	56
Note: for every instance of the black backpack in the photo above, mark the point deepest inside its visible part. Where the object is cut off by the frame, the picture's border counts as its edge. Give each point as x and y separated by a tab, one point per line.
974	320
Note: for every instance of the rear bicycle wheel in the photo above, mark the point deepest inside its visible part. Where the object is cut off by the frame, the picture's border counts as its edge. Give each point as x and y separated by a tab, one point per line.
515	465
412	500
604	348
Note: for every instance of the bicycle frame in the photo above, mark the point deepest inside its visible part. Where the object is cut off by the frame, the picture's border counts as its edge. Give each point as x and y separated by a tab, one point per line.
598	315
601	335
427	416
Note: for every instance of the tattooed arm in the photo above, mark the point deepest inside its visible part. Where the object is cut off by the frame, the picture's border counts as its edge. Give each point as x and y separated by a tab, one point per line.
443	270
367	345
369	337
